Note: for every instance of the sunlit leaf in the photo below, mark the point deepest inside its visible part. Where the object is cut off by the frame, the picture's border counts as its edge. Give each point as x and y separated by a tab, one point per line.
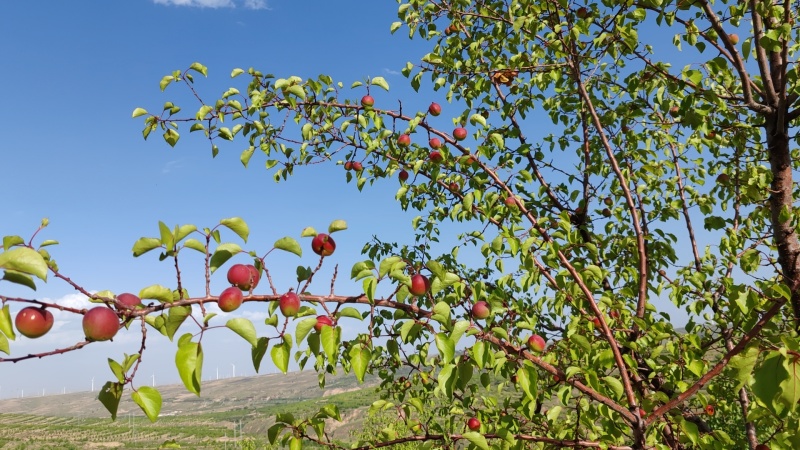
149	399
290	245
243	328
25	260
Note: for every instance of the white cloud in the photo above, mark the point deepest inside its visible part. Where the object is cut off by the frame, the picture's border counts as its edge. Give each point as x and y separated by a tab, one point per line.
172	165
390	71
248	4
256	4
198	3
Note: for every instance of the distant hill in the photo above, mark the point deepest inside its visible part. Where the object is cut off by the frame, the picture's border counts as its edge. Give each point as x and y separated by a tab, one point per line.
227	409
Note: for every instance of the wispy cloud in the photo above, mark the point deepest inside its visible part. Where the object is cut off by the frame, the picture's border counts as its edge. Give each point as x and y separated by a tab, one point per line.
248	4
171	165
256	4
391	72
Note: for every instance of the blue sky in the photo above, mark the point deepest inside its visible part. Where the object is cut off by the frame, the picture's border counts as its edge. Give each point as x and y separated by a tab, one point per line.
72	74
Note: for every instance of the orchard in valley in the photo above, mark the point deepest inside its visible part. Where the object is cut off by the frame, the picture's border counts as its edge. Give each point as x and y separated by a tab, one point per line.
603	161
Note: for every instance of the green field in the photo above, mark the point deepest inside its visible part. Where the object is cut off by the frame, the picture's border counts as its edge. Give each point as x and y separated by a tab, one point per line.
230	414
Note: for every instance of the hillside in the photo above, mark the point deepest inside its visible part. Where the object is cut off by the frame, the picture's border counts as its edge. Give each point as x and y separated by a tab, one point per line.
228	408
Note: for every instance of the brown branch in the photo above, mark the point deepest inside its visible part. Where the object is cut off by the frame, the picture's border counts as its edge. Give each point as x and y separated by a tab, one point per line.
771	97
547	367
59	351
708	376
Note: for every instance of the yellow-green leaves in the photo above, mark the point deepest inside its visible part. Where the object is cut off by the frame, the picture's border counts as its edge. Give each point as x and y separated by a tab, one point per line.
360	356
149	399
25	260
289	244
189	361
380	82
280	353
243	328
138	112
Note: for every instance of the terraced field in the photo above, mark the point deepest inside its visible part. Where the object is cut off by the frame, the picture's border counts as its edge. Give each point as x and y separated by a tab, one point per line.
230	414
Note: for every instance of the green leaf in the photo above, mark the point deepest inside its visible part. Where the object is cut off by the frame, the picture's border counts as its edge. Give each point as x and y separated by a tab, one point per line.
337	225
203	112
238	226
144	245
165	82
10	241
360	356
19	278
350	312
5	323
308	232
458	330
25	260
138	112
436	268
332	411
183	231
790	387
110	395
280	356
48	243
768	378
157	322
258	351
749	260
446	346
194	244
296	443
615	385
189	361
691	431
149	399
476	119
304	327
476	439
380	82
388	264
156	292
441	313
479	353
222	254
743	365
171	137
290	245
243	328
236	72
199	68
362	269
370	285
117	370
447	379
329	337
4	346
527	377
175	318
297	90
272	432
128	362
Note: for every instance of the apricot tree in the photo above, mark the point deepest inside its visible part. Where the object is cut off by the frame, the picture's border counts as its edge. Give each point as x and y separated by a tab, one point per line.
602	172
